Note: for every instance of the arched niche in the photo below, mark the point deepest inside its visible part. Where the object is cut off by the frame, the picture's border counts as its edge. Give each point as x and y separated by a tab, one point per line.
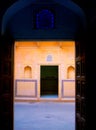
19	20
27	72
70	72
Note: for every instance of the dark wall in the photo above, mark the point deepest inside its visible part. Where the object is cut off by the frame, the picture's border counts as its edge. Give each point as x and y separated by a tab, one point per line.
4	4
66	22
89	38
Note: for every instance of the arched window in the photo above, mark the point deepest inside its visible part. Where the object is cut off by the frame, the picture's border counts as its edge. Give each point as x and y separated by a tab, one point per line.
70	72
49	58
27	72
44	19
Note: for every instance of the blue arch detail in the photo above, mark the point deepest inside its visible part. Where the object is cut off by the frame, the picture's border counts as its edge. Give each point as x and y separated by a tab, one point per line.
21	4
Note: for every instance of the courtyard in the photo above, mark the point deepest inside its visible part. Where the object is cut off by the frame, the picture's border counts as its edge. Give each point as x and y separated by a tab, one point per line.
44	115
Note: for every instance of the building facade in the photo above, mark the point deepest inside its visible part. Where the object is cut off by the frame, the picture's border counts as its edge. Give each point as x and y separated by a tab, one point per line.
44	68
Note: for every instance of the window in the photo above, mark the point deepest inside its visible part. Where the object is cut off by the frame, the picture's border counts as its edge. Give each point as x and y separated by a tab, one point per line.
49	58
44	19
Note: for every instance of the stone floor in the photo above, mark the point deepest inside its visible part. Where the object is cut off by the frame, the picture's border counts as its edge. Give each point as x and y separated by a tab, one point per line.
44	116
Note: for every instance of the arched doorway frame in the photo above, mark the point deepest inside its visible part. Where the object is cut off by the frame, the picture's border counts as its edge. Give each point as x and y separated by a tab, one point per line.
16	6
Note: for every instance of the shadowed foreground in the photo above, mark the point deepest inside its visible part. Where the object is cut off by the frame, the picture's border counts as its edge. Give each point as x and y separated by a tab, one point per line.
44	116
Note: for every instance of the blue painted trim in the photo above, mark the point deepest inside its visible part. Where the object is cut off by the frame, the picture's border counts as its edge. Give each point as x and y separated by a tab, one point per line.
24	80
62	89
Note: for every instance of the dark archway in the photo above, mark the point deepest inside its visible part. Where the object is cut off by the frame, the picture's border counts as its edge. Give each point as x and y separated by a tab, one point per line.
49	81
68	25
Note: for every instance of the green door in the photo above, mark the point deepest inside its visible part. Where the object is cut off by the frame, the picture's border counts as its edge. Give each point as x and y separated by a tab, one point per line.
49	80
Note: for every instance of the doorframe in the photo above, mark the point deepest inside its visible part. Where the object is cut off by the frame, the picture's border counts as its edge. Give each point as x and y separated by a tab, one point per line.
59	79
41	76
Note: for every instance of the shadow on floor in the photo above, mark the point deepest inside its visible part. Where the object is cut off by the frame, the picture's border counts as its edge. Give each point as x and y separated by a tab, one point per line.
49	96
44	116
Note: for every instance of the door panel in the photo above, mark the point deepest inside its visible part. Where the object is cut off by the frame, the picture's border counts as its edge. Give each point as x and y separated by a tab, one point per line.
49	80
6	83
80	88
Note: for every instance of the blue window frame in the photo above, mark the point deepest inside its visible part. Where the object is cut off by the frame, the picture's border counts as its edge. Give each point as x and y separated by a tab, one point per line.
45	19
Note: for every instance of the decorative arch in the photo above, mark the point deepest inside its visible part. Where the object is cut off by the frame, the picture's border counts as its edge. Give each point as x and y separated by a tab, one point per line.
21	4
27	72
49	58
70	72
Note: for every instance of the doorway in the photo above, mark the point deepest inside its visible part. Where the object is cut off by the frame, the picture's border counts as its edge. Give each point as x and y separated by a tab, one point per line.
48	81
41	75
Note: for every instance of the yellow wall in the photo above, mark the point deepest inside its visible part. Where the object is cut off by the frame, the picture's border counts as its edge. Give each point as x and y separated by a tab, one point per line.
29	56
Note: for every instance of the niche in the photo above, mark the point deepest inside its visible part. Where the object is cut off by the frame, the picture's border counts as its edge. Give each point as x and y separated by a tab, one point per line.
70	72
27	72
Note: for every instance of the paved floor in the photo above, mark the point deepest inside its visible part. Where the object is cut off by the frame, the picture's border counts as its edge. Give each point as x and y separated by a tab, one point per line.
44	116
49	96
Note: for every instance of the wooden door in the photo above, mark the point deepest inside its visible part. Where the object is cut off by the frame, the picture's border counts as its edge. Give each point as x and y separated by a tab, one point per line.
6	83
49	80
